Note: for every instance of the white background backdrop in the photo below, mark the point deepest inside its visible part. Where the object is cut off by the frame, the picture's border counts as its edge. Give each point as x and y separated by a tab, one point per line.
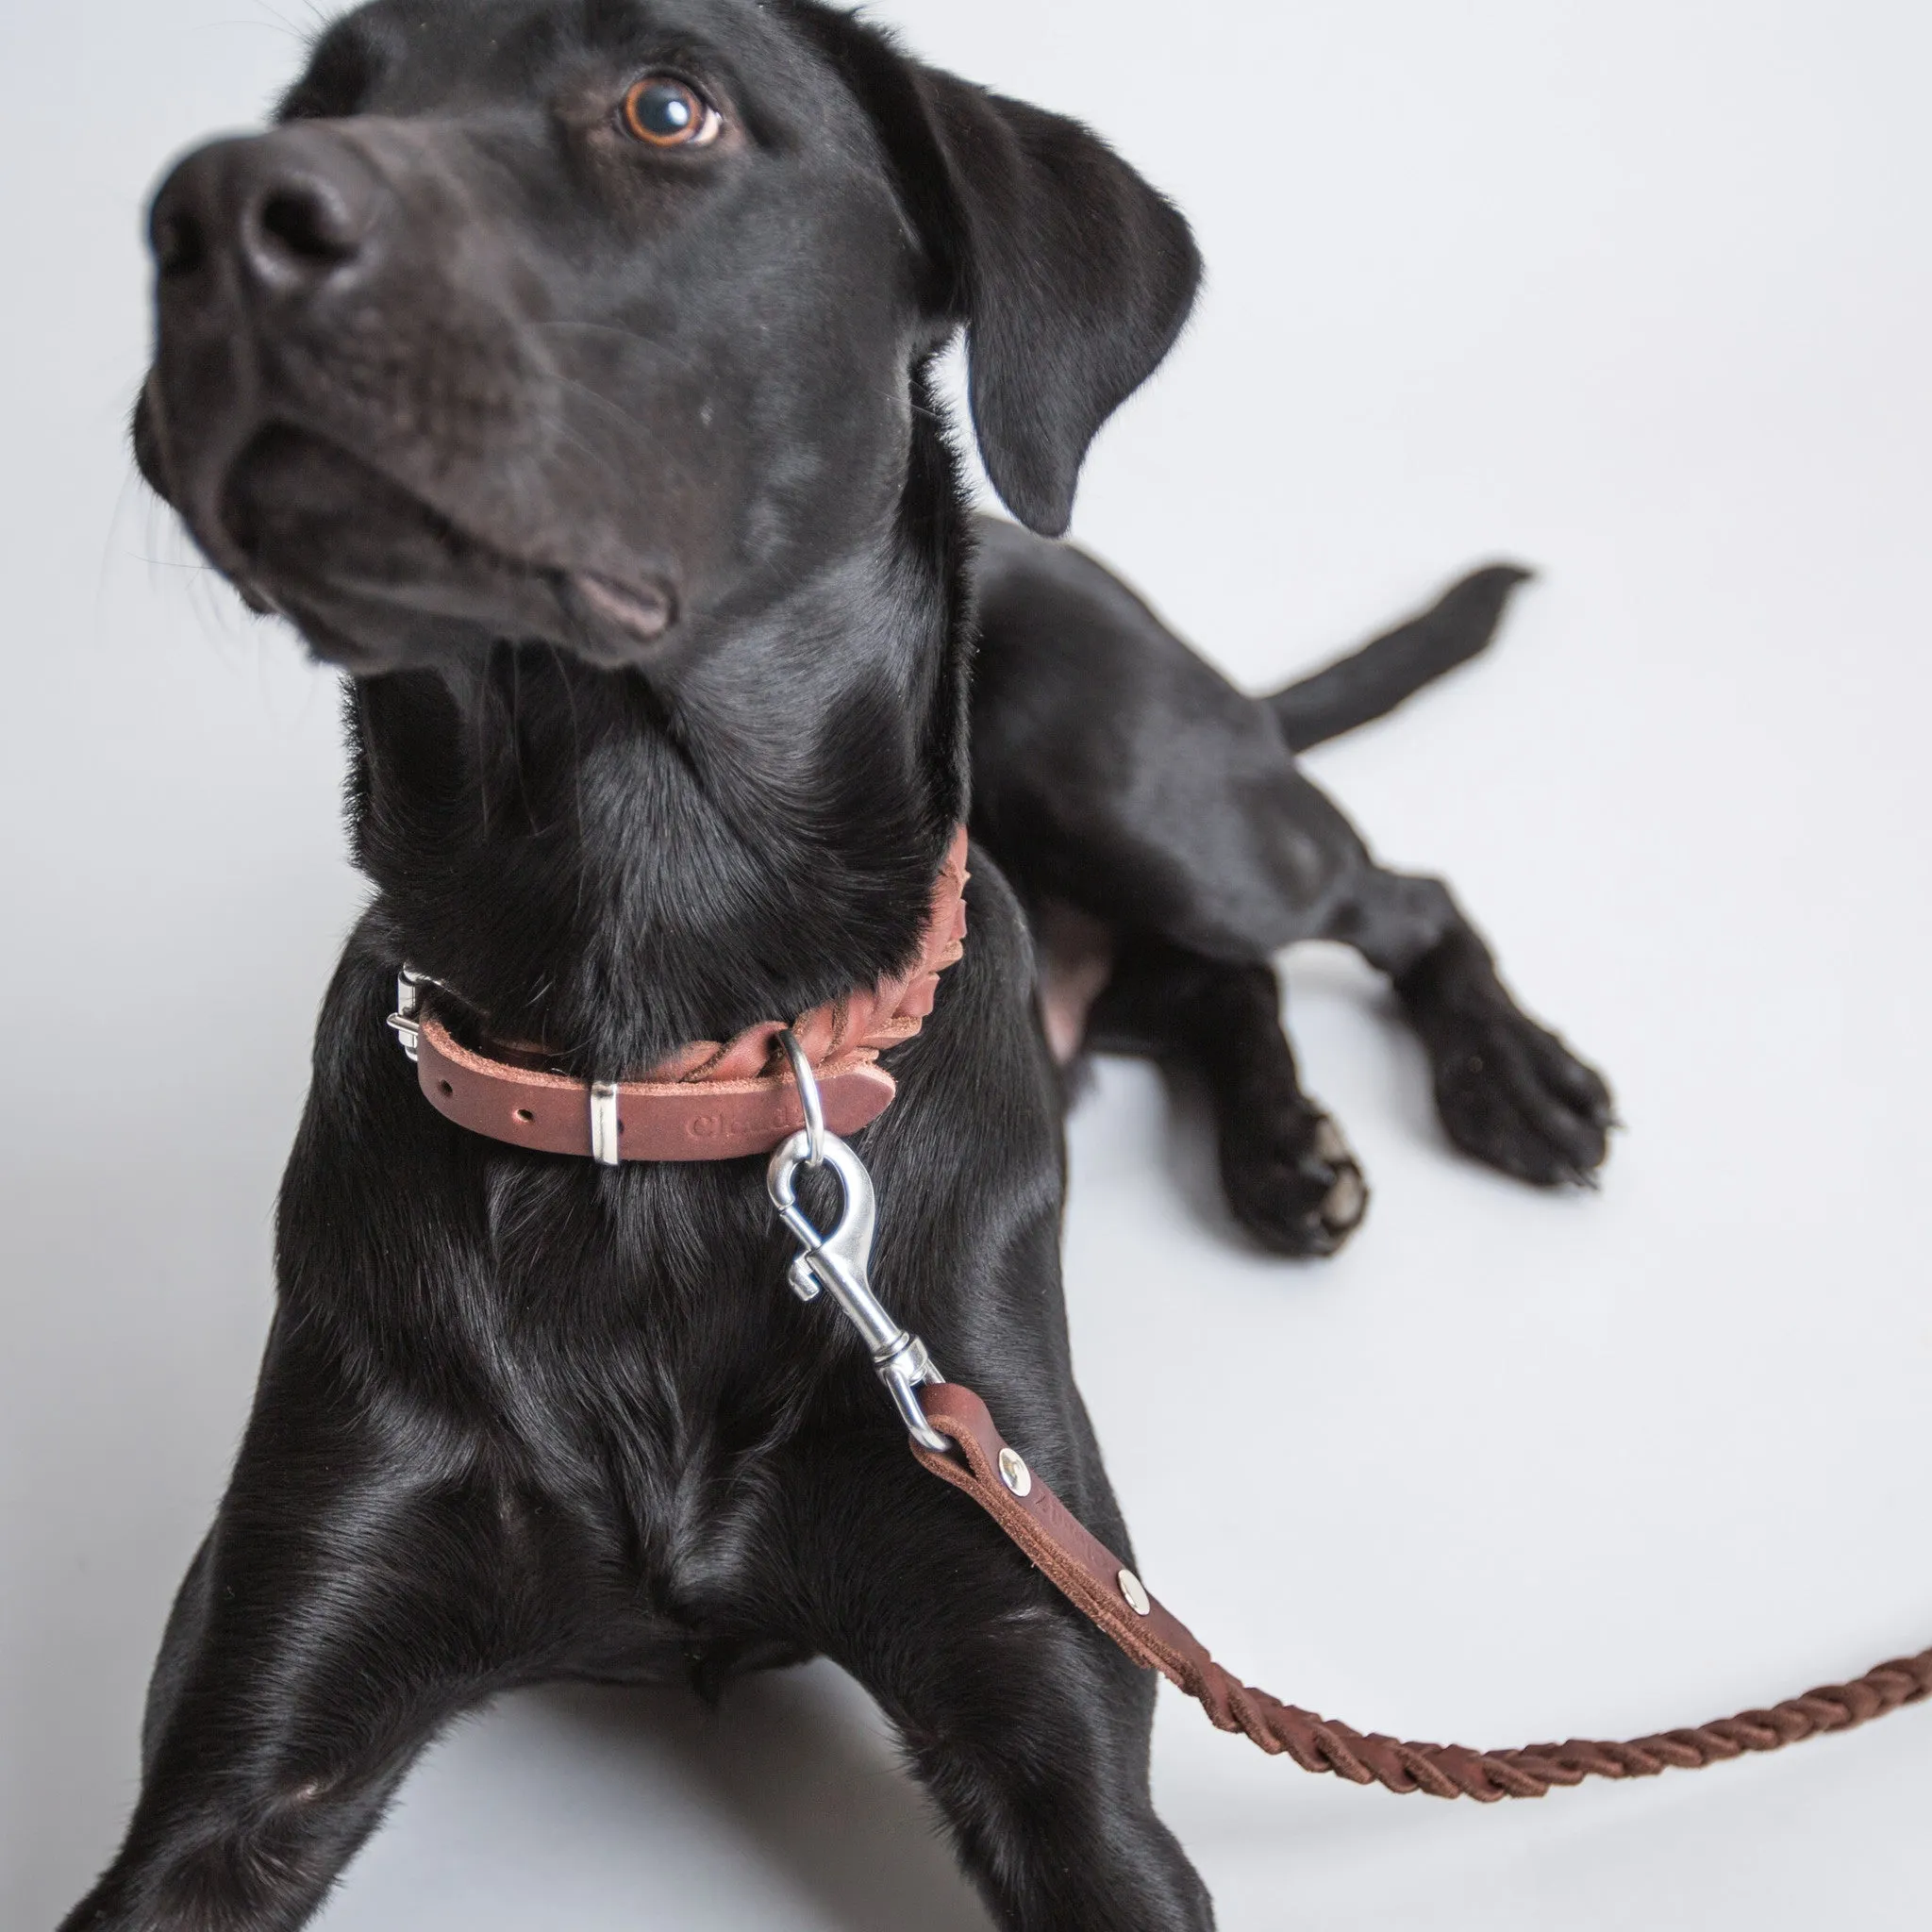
1638	293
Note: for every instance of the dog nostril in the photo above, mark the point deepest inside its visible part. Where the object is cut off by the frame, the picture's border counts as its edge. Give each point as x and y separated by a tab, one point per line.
306	227
180	247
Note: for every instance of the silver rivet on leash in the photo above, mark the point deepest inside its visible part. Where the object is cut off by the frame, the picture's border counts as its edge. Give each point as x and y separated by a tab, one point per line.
605	1127
1014	1473
1135	1594
840	1263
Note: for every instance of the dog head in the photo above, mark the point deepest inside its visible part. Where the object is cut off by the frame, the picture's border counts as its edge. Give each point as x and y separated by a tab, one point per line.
597	321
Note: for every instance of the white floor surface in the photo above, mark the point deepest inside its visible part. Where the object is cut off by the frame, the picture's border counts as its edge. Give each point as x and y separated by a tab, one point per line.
1638	293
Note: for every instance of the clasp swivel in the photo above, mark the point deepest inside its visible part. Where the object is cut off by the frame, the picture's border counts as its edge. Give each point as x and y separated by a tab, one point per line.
840	1263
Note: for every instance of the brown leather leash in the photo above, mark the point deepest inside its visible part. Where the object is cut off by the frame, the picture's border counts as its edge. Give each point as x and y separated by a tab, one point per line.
715	1100
1105	1591
954	1437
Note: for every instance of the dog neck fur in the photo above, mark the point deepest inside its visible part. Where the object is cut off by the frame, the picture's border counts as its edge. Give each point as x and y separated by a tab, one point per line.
616	861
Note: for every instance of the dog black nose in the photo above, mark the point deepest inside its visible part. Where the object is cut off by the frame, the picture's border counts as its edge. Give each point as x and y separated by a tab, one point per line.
294	211
303	227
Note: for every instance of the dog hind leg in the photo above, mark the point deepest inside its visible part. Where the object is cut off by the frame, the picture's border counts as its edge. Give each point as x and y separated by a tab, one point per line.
1509	1091
1117	771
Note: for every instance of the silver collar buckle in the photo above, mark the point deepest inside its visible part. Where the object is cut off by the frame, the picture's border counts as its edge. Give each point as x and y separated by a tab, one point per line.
406	1022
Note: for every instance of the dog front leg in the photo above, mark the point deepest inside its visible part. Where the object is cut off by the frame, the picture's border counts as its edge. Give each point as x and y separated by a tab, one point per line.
336	1616
1288	1174
1029	1727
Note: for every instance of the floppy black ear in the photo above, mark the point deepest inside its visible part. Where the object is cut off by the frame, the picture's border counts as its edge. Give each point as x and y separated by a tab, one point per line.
1072	275
1077	276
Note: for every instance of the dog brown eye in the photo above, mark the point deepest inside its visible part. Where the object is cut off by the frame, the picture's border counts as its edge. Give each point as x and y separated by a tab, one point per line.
670	113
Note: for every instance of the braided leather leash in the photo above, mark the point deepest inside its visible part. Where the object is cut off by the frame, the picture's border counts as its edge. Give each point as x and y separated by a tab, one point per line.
1100	1586
953	1435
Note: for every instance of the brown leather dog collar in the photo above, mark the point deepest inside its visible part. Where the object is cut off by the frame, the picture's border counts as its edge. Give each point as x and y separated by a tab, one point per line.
711	1099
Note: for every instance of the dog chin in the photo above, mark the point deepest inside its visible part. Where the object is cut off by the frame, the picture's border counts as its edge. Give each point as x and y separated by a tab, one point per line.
144	433
377	580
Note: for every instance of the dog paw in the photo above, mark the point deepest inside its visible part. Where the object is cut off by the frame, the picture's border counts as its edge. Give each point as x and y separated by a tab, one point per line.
1513	1095
1294	1185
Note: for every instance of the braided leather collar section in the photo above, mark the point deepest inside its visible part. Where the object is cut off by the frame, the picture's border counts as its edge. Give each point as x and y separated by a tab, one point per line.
713	1100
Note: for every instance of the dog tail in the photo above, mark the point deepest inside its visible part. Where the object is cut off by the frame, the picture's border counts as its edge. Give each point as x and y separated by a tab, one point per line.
1370	682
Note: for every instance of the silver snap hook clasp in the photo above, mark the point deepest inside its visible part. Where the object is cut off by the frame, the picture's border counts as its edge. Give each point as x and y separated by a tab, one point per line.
839	1264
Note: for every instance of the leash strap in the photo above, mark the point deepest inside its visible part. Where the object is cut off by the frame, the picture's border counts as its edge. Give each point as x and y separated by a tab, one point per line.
1105	1590
952	1434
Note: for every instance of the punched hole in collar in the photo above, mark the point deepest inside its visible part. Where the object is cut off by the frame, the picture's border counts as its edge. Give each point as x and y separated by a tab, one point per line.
445	1088
524	1115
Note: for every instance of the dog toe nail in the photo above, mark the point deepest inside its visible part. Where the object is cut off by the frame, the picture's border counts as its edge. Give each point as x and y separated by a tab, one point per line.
1346	1199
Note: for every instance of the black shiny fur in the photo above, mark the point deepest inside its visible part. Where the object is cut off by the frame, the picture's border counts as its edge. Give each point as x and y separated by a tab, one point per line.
613	480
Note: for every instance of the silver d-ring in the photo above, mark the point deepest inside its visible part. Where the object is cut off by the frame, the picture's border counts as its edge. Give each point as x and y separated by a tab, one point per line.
808	1095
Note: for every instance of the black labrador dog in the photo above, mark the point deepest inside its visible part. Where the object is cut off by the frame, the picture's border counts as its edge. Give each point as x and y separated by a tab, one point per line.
562	369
